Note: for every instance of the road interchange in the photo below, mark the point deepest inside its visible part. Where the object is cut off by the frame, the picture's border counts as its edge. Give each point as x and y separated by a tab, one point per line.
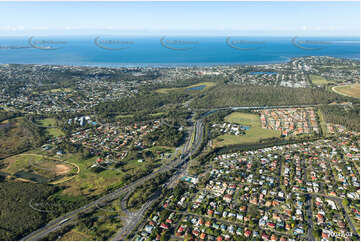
71	216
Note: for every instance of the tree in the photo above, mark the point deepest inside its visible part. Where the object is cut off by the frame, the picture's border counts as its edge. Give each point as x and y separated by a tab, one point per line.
345	202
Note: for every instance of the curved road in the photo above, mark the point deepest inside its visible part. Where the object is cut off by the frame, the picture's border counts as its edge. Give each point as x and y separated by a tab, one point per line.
70	217
136	218
133	220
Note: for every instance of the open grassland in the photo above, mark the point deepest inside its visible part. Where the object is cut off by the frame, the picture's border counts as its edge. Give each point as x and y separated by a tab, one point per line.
318	80
159	114
161	149
253	135
35	167
74	235
47	122
121	116
348	90
243	118
92	182
56	132
168	90
52	129
89	182
19	162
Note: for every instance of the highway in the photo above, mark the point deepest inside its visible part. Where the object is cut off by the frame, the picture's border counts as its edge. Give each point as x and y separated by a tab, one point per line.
211	110
131	224
71	216
133	219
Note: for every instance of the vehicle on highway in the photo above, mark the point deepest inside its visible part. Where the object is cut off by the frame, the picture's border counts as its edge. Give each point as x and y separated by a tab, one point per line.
64	220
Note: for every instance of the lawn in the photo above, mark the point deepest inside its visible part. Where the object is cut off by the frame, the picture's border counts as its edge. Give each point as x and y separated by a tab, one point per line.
243	118
159	114
168	90
51	122
319	80
47	122
56	132
348	90
253	135
124	116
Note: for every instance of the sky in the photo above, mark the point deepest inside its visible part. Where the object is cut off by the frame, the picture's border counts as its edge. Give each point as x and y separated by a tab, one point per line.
181	18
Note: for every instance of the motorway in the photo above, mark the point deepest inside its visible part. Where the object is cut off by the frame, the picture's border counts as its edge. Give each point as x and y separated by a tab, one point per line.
71	217
235	108
255	107
187	152
133	219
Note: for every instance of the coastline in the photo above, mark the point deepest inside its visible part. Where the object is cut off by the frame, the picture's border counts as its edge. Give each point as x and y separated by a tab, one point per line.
152	52
286	59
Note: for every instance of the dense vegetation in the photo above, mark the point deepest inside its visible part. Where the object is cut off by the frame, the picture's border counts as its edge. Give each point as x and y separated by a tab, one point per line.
172	116
52	236
165	136
90	227
234	95
4	115
142	193
349	116
18	135
146	103
17	218
217	117
177	117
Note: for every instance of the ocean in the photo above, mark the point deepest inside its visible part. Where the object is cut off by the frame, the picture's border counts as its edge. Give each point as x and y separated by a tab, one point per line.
163	51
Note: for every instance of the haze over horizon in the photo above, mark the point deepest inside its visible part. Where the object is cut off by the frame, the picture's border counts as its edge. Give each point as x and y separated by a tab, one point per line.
181	18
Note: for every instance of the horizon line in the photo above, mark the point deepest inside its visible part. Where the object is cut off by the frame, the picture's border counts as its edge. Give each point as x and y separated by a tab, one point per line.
174	35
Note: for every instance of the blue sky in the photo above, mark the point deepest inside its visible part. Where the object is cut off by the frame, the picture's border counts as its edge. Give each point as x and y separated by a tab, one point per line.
181	18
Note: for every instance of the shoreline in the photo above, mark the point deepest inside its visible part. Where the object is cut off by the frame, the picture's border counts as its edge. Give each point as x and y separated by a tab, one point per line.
178	65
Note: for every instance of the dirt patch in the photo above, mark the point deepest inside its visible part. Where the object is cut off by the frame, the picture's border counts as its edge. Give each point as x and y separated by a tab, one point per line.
348	90
61	169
